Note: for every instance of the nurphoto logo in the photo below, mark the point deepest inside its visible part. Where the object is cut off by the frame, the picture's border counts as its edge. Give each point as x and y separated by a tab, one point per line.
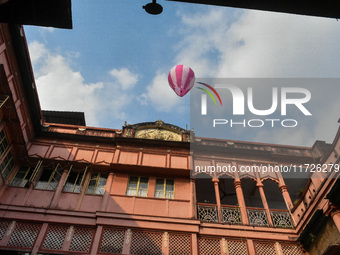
295	98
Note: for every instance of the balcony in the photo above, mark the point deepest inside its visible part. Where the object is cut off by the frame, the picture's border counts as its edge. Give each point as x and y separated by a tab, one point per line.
232	215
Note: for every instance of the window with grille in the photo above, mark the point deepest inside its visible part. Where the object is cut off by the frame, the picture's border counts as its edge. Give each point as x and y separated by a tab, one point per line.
138	186
209	246
265	248
291	250
4	145
97	184
7	165
22	177
49	178
112	241
165	188
75	180
81	240
144	243
179	244
3	227
24	235
237	247
55	237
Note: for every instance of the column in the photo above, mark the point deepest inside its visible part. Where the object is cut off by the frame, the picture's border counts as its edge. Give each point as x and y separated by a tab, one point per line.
240	200
39	239
194	244
336	218
250	246
264	201
165	243
127	242
57	193
218	200
96	240
286	196
193	198
107	192
82	194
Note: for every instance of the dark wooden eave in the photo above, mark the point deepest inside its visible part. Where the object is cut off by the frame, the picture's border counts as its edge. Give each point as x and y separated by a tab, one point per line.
48	13
325	8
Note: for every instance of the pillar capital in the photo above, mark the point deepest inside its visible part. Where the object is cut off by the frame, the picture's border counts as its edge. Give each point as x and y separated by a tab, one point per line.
259	184
193	180
215	180
283	188
331	210
237	184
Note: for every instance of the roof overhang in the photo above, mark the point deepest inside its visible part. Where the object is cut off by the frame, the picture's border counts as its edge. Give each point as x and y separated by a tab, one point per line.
326	8
48	13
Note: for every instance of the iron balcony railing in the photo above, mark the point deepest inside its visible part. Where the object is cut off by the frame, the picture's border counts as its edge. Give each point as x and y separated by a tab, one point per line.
232	215
257	217
281	219
207	212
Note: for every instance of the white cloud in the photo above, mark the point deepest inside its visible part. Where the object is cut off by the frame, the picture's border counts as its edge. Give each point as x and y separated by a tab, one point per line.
61	88
125	78
37	51
264	44
160	95
47	29
258	44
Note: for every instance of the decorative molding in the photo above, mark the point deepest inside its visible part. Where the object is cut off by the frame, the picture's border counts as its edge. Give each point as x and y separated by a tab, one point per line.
224	245
10	229
165	239
158	134
128	236
69	234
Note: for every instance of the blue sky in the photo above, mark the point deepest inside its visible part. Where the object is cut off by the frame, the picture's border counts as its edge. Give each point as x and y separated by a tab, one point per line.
113	64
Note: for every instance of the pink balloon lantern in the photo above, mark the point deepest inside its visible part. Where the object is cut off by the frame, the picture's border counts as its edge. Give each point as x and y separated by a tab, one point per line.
181	79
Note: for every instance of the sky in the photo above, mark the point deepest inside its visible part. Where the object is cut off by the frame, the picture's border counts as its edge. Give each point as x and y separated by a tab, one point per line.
113	64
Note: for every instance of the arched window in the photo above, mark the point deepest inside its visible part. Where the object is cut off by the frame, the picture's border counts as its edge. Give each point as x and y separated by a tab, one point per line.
205	191
273	195
251	193
227	190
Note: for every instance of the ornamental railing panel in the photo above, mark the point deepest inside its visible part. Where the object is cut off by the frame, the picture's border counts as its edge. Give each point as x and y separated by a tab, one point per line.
231	215
257	217
207	213
281	219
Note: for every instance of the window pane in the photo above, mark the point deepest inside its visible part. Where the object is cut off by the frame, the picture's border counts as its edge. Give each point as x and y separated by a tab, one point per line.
159	189
100	191
143	186
102	180
68	187
132	187
90	190
169	195
160	182
74	181
131	191
170	182
169	188
7	165
144	180
133	179
142	192
22	177
45	180
97	184
159	194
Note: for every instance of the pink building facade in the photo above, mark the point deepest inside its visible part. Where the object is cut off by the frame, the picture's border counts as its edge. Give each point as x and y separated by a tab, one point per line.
73	189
